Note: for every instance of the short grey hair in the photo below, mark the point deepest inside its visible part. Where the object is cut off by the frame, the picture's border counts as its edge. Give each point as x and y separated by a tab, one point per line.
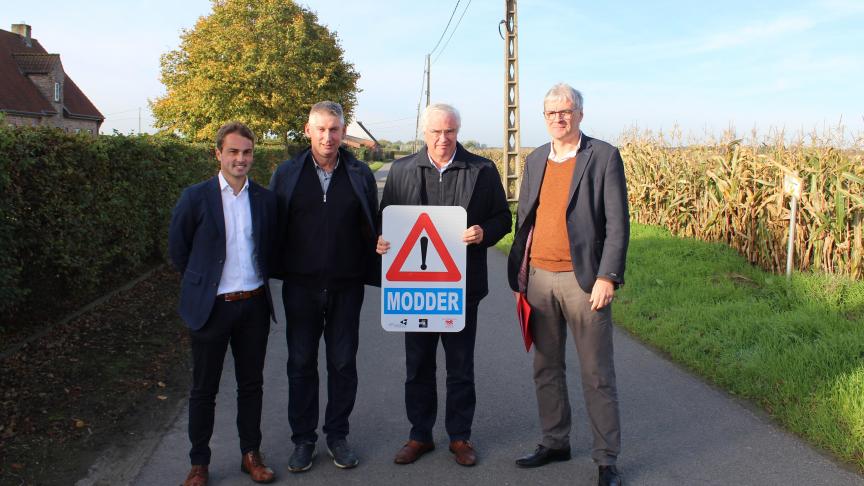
440	108
562	92
328	108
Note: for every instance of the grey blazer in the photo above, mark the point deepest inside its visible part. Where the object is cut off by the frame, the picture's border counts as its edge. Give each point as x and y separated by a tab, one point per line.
598	219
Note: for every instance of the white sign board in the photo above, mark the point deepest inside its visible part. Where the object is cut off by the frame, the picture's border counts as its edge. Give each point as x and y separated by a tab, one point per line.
792	185
423	273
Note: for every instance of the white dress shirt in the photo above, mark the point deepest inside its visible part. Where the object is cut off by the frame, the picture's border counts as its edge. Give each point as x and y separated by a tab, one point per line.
563	157
239	272
443	167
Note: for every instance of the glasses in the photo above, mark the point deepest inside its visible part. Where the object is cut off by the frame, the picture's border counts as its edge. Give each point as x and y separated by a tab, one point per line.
447	132
553	115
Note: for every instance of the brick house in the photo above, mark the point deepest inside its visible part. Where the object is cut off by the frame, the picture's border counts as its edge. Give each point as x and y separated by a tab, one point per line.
35	90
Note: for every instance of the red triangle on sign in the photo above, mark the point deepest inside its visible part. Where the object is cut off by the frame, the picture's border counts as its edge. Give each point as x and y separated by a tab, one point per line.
395	273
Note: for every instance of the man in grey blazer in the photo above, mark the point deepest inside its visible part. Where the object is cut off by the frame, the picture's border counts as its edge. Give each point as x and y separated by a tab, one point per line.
568	256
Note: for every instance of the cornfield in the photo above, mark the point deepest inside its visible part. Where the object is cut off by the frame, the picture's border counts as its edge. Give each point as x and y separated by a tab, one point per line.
731	191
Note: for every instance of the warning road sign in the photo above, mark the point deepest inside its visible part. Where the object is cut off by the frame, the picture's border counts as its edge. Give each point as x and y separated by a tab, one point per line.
423	281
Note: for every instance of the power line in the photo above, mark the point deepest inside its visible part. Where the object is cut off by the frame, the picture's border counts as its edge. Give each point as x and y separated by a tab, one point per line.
422	85
124	111
453	31
446	27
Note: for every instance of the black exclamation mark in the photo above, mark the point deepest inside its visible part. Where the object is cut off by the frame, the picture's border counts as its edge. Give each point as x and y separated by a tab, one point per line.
424	242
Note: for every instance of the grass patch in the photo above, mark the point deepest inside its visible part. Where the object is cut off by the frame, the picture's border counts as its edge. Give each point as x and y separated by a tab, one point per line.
506	242
102	379
375	166
795	349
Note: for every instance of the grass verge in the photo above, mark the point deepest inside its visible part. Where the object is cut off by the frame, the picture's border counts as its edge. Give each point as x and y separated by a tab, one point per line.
795	349
99	380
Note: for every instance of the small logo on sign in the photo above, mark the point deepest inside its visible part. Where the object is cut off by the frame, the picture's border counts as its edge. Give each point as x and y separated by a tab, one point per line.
448	323
404	322
423	322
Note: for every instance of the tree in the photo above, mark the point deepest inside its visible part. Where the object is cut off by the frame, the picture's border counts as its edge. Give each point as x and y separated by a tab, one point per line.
262	62
473	145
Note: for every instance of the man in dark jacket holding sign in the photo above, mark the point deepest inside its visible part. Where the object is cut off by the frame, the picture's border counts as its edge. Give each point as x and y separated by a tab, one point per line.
443	173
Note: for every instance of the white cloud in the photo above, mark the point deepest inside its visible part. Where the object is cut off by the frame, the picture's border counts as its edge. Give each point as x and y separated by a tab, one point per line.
753	33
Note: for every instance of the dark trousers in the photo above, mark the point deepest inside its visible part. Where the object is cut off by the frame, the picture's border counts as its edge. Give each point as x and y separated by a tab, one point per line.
311	312
244	324
421	397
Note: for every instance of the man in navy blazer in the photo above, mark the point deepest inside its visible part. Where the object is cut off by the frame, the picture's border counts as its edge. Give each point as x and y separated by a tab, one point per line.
221	240
568	255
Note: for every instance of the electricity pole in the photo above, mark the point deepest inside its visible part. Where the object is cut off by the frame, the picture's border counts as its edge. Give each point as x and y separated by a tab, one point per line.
428	77
417	124
512	175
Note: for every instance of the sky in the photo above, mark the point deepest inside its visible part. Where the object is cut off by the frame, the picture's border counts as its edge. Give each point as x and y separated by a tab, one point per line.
771	65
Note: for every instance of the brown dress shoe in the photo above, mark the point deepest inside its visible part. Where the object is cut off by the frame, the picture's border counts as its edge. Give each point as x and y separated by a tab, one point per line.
464	452
412	450
254	466
197	476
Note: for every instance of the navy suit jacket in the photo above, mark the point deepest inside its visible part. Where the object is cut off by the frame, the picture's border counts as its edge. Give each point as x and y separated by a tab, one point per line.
598	219
196	244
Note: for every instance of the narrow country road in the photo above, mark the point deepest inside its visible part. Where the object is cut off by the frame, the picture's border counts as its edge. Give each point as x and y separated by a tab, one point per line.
676	429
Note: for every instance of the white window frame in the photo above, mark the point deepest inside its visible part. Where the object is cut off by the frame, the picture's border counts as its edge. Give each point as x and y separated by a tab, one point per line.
57	92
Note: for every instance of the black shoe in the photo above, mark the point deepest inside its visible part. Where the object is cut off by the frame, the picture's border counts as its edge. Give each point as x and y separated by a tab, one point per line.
301	458
544	455
342	454
608	476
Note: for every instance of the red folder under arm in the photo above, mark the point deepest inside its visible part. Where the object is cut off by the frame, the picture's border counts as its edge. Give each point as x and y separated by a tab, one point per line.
523	312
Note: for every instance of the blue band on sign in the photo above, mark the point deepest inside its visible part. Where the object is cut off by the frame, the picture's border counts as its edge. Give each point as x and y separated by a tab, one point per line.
422	301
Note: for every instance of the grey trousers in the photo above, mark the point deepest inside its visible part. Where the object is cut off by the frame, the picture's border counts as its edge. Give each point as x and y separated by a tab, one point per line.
558	302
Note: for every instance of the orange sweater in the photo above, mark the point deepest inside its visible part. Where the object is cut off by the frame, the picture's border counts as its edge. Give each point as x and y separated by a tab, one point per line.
550	246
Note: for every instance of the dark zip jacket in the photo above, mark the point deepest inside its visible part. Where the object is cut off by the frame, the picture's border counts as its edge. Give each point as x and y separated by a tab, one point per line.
470	181
363	184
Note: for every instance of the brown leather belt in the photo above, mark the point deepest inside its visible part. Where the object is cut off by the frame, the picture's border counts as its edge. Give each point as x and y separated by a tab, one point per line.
242	295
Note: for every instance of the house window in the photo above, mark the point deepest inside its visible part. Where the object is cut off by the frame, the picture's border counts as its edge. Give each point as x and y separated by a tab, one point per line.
57	92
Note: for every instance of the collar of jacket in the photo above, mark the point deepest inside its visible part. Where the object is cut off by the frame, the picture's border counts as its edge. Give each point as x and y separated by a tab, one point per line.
537	160
214	205
466	179
352	166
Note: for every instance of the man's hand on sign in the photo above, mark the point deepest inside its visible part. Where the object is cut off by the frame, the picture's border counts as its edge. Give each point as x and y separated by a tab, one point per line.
473	235
382	245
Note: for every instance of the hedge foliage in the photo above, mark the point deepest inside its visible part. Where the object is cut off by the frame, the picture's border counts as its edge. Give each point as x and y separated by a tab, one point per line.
80	213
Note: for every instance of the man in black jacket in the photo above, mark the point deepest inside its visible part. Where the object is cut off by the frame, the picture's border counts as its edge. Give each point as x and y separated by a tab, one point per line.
443	173
328	209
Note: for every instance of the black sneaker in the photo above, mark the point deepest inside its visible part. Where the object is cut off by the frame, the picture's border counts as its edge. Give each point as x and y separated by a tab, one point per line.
301	458
343	455
608	476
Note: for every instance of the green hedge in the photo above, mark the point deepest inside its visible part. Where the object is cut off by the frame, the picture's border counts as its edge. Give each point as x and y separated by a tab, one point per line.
79	213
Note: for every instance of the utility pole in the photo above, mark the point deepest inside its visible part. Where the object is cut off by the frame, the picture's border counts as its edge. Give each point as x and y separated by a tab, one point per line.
512	175
428	77
417	124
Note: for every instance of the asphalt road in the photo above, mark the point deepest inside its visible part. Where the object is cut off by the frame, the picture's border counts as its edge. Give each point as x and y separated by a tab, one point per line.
675	428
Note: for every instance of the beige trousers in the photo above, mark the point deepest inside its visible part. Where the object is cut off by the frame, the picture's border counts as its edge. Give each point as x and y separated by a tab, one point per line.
557	303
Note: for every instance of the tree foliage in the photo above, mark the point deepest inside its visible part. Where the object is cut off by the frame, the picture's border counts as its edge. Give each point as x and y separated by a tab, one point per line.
263	62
